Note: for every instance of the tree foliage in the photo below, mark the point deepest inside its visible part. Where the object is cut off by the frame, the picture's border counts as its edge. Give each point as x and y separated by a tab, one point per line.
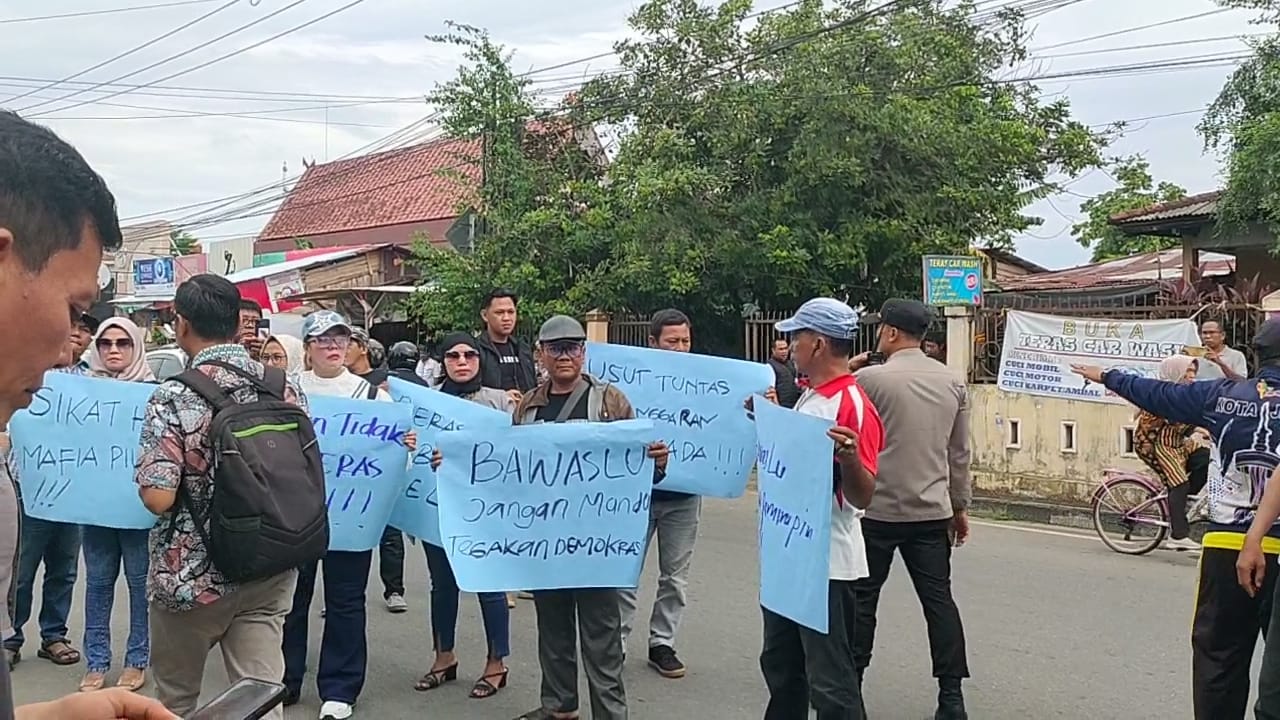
761	161
1243	125
1135	189
182	242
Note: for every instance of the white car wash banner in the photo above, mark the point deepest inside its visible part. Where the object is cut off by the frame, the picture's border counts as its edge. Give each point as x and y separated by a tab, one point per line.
1039	350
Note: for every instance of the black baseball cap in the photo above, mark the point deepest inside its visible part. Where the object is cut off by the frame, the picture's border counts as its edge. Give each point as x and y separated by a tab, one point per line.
1266	342
910	316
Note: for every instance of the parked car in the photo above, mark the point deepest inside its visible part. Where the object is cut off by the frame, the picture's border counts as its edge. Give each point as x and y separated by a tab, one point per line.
166	362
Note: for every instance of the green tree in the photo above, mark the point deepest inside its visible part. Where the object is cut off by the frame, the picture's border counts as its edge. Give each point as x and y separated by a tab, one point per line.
182	242
761	161
1135	189
1243	125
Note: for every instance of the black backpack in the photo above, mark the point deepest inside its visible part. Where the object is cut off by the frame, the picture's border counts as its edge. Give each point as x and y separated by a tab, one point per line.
268	511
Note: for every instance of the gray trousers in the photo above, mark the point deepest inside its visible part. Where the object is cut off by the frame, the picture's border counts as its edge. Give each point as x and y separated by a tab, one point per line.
675	522
247	625
563	615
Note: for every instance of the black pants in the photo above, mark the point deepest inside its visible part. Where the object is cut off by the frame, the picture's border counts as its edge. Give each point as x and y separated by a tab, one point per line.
391	562
926	551
1223	635
1198	473
803	667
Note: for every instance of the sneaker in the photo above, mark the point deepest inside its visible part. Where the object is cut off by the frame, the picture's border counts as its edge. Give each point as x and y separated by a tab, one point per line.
396	604
1182	545
334	710
664	660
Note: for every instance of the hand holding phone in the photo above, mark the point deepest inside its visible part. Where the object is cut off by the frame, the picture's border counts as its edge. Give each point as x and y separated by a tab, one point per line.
248	699
264	328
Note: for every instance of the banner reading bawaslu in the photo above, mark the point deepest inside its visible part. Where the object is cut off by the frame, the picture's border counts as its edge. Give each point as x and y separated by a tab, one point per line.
1039	349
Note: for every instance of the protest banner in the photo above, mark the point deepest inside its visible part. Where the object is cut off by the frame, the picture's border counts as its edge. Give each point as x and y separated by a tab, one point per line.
794	477
1039	350
417	511
546	506
74	448
366	466
696	402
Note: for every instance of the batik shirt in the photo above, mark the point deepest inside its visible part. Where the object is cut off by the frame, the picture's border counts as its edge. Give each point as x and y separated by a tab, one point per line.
175	448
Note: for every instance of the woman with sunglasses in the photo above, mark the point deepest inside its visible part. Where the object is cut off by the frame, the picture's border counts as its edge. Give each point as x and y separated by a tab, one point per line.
460	377
117	353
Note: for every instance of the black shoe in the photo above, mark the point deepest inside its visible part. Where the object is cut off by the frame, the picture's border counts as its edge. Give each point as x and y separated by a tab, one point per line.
664	660
291	697
950	700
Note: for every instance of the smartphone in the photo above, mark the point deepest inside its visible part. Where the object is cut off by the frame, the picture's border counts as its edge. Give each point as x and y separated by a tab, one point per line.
264	327
248	699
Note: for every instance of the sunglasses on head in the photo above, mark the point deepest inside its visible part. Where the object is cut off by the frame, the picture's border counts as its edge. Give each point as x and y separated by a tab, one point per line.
464	355
108	343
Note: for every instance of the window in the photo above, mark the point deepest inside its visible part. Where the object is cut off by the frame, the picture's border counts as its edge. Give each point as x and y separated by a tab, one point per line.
1013	436
1068	436
1127	441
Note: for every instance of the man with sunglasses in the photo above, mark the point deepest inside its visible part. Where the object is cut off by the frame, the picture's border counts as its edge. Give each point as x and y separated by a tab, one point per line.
570	395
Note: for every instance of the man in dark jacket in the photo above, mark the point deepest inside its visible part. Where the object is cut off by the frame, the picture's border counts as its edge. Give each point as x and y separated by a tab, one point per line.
784	373
506	363
402	363
1243	416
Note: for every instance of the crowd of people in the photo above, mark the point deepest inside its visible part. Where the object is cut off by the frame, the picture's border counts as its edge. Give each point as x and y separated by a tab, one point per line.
900	483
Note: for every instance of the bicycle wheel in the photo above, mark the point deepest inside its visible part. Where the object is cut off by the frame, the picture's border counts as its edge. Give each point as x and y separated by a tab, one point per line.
1129	517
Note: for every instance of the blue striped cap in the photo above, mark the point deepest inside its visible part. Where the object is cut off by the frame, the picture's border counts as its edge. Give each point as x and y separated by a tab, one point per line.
825	316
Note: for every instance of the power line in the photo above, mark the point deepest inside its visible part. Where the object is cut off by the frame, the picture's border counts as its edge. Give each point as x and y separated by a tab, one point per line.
1125	31
113	11
220	58
121	56
206	93
1151	46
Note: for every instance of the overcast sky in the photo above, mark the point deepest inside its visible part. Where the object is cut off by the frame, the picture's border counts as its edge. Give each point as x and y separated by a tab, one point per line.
376	48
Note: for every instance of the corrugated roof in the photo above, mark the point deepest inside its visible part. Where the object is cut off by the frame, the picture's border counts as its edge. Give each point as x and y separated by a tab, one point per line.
1202	205
419	183
1132	270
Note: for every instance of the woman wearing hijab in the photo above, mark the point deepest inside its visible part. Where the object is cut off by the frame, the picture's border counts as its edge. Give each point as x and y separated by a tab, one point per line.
285	352
460	377
117	353
1166	447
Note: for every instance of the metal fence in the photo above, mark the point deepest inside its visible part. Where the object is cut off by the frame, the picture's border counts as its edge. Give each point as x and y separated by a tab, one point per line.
757	333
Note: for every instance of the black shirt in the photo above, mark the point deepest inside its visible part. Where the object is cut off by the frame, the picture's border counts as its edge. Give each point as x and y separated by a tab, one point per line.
375	377
555	403
509	365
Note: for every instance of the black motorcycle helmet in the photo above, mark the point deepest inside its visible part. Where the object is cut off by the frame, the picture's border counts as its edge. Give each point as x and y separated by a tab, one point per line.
403	356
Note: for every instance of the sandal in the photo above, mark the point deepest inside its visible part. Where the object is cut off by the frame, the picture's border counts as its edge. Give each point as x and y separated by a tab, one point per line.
93	681
13	656
486	688
59	652
132	679
436	678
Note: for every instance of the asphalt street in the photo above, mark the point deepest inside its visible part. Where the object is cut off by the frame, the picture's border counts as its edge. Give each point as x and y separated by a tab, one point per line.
1058	627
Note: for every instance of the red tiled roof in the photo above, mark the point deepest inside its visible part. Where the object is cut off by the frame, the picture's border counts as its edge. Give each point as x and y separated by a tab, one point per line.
1133	270
431	181
1202	205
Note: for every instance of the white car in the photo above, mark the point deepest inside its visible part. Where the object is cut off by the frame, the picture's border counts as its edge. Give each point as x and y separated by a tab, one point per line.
166	362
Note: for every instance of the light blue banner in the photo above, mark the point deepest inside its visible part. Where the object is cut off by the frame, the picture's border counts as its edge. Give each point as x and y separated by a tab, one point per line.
794	476
417	512
74	451
547	506
696	402
365	465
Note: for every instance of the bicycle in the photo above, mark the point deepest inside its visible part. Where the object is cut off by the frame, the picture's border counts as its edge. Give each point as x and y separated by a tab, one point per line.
1136	509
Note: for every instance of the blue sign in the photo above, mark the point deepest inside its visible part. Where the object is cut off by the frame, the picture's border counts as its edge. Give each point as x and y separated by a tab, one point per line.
696	402
154	276
366	466
546	506
794	476
418	510
73	451
952	280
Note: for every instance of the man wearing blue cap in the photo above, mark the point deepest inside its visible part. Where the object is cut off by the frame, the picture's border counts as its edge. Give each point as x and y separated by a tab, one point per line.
801	666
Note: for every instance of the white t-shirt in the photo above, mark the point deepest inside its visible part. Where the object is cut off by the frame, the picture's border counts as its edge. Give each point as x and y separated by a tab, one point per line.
346	385
845	403
1233	359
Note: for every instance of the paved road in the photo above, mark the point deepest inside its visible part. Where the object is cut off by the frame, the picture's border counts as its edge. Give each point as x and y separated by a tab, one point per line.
1059	627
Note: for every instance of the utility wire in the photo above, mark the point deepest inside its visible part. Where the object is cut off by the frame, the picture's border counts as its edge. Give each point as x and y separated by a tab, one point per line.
1125	31
112	11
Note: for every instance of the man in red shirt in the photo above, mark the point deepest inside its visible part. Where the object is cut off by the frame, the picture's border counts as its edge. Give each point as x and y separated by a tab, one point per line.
802	666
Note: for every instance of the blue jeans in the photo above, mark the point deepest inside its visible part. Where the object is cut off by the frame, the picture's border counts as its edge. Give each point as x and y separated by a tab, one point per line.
57	545
444	608
344	647
104	550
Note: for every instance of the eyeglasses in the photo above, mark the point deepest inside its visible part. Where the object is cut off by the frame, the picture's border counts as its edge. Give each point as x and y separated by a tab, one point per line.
275	359
566	349
464	355
108	343
332	342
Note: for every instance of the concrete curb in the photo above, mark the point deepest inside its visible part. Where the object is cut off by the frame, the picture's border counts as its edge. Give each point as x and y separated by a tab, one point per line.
1003	508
